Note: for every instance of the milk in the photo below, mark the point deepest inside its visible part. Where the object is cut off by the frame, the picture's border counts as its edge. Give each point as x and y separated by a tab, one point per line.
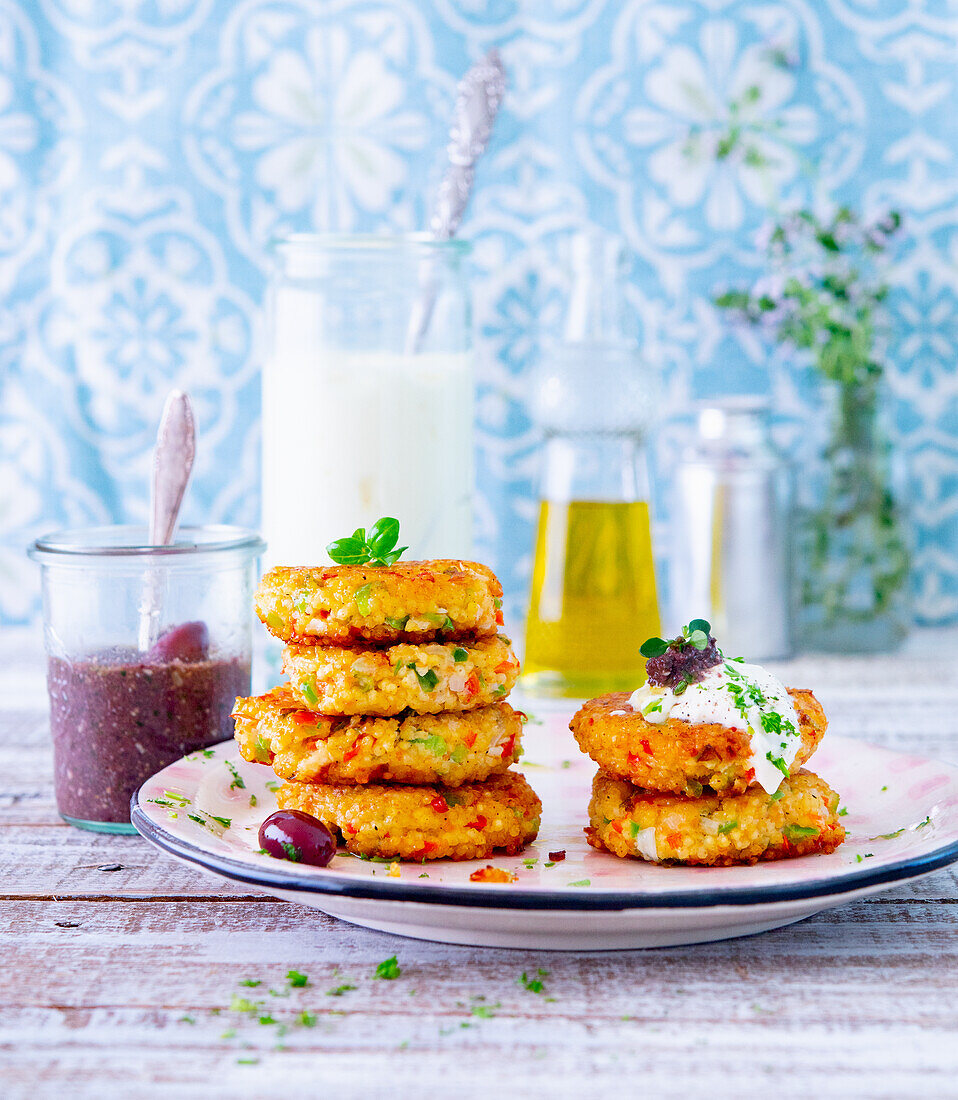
350	436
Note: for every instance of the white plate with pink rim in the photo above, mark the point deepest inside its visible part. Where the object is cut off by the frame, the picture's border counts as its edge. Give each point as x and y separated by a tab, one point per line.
902	823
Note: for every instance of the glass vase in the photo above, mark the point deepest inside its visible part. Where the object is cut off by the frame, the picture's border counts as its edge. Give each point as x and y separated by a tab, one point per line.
854	550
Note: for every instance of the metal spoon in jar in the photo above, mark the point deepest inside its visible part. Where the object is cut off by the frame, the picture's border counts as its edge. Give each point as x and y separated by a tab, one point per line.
172	465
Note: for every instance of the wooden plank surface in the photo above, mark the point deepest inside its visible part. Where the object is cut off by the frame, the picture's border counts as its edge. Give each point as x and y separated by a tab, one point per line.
120	982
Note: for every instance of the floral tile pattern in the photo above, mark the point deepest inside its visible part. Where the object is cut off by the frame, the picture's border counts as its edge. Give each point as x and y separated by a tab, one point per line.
149	151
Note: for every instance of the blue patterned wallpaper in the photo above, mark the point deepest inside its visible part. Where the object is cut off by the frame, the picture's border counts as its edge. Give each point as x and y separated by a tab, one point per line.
150	148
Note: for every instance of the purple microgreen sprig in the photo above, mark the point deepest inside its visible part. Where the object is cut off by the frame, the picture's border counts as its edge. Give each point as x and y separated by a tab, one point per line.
695	634
677	663
375	547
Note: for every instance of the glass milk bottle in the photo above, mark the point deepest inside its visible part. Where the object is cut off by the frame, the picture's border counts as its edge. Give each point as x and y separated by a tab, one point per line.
593	601
361	420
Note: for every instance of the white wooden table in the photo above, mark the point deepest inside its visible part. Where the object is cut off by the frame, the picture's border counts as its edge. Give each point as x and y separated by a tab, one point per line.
118	968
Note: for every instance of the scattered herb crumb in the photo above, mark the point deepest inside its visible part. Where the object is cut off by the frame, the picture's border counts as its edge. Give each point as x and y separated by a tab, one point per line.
582	882
186	1020
296	979
388	969
251	983
340	990
533	984
859	856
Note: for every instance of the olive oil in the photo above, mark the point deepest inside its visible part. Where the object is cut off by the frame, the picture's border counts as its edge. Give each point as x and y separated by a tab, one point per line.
593	599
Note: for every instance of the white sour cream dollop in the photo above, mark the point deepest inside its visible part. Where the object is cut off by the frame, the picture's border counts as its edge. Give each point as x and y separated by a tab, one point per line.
736	695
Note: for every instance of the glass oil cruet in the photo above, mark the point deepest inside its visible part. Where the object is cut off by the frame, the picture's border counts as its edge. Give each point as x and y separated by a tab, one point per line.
593	600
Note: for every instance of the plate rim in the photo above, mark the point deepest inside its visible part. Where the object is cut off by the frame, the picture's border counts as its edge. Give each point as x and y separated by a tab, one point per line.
505	896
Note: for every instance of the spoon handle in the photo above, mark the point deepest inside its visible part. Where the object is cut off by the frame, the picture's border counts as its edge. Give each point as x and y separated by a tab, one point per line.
172	465
477	102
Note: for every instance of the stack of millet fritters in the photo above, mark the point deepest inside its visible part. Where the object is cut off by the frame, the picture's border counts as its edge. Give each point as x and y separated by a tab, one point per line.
685	793
393	728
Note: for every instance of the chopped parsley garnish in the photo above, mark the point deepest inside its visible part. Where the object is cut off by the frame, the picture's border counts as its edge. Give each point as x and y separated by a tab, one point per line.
243	1004
485	1012
922	824
306	1018
377	547
842	811
175	796
293	854
859	856
205	820
778	762
340	990
533	984
388	969
238	781
891	836
459	654
251	983
296	979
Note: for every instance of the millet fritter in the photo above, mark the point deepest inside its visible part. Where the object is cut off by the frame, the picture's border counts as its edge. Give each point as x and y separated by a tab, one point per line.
411	601
451	749
679	756
469	822
801	818
427	678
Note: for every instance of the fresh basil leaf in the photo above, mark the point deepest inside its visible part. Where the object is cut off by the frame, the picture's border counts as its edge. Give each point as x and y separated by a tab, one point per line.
700	624
383	535
347	552
393	556
653	647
